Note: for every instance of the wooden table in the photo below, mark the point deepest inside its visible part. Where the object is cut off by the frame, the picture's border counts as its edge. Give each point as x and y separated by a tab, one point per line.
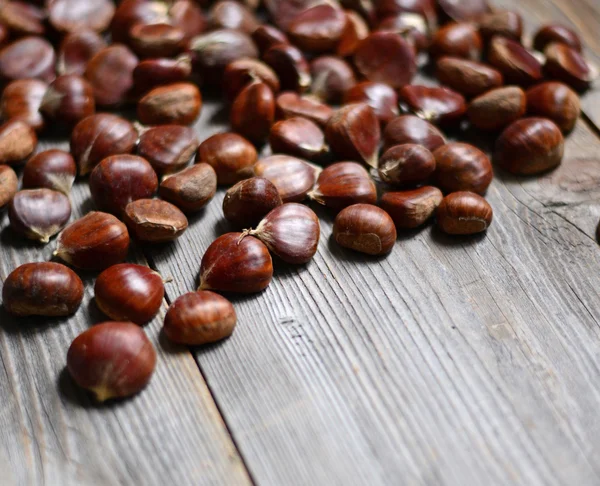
453	361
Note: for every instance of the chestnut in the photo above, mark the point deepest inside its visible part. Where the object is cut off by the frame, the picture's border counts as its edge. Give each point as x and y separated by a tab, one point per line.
198	318
365	228
461	40
39	214
154	221
505	23
253	112
238	74
128	292
412	129
468	78
299	137
42	289
412	27
17	142
178	104
248	201
112	360
343	184
73	15
566	64
21	100
289	105
291	232
228	14
156	40
434	104
75	51
549	34
191	189
121	179
96	137
236	262
231	155
291	67
292	177
266	36
555	101
8	184
318	28
353	132
464	213
462	167
22	19
168	148
379	96
497	108
69	99
406	164
52	169
331	78
530	146
355	31
463	9
515	63
424	8
94	242
413	208
152	73
29	57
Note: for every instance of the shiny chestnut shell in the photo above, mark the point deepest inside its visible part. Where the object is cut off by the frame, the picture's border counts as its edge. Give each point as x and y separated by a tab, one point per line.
379	96
154	220
434	104
9	183
462	167
152	73
241	72
299	137
413	208
53	169
469	78
190	189
21	100
516	64
230	154
68	99
75	51
29	57
505	23
498	108
406	164
549	34
292	177
318	28
555	101
464	213
461	40
289	105
168	148
291	67
566	64
247	202
412	129
17	142
331	78
177	103
253	112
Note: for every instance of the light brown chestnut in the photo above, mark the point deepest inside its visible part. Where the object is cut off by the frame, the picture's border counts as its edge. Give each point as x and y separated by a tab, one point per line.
318	28
238	263
247	202
406	164
516	64
462	167
178	104
191	189
53	169
365	228
298	137
230	154
21	100
497	108
379	96
76	50
566	64
94	242
289	105
253	112
411	209
555	101
464	213
9	183
292	177
461	40
42	289
434	104
69	99
198	318
17	142
505	23
154	221
168	148
242	72
21	18
469	78
129	292
291	67
112	360
412	129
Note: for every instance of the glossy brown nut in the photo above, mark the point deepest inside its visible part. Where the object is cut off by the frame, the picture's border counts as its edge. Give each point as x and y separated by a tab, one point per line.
21	100
178	104
42	289
242	72
565	64
76	15
436	105
505	23
464	213
292	177
9	183
498	108
94	242
231	155
289	105
110	72
237	263
298	137
266	36
69	99
76	50
249	201
191	189
411	26
412	129
530	146
253	112
228	14
425	8
355	31
154	220
462	167
331	78
21	18
469	78
151	73
128	292
406	164
291	67
555	101
353	132
198	318
52	169
515	63
283	12
156	40
168	148
96	137
17	142
188	16
380	97
291	232
548	34
411	209
39	214
3	34
112	360
318	28
386	57
121	179
29	57
365	228
343	184
463	9
461	40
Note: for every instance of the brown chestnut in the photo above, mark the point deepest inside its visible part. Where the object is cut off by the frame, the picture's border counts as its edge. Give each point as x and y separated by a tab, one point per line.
317	28
191	189
530	146
365	228
42	289
253	112
412	129
8	184
112	360
461	40
289	105
29	57
434	104
198	318
152	73
424	8
497	108
464	213
549	34
566	64
178	104
21	100
76	15
231	155
291	67
248	201
380	97
53	169
462	167
266	36
555	101
463	9
292	177
128	292
238	74
17	142
331	78
406	164
469	78
355	31
94	242
75	51
411	209
154	221
69	99
411	26
515	63
22	19
228	14
505	23
299	137
168	148
236	262
156	40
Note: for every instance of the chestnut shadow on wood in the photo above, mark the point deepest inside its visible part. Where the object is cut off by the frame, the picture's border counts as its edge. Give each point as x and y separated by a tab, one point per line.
343	254
10	239
27	326
462	241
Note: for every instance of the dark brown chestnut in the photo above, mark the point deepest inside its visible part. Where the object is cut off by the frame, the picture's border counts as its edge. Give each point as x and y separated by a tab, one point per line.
497	108
21	100
9	183
292	177
76	50
412	27
154	220
566	64
152	73
230	154
238	74
505	23
156	40
69	99
168	148
411	209
555	101
381	97
412	129
289	105
17	142
249	201
266	36
331	78
299	137
463	9
464	213
77	15
462	167
228	14
355	31
406	164
436	105
253	112
549	34
29	57
469	78
424	8
52	169
291	67
318	28
177	104
191	189
461	40
515	63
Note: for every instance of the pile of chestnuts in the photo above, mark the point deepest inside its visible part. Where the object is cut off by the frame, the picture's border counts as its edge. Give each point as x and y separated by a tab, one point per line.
325	86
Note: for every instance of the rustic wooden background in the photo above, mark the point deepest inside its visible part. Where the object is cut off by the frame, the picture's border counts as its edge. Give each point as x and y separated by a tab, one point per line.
451	362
